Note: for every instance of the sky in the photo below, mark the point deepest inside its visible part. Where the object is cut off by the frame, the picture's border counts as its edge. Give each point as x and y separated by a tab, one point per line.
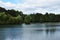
32	6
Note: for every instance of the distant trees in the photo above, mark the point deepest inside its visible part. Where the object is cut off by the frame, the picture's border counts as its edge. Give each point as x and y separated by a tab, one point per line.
10	16
27	19
17	17
8	19
14	13
3	18
2	9
48	17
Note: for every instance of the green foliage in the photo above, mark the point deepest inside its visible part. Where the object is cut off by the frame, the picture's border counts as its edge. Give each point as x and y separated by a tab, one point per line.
8	19
2	9
27	19
15	20
17	17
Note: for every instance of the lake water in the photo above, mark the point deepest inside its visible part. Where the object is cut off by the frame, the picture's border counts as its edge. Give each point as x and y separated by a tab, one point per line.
38	31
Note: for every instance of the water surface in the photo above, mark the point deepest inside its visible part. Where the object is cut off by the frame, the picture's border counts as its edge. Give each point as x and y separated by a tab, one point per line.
38	31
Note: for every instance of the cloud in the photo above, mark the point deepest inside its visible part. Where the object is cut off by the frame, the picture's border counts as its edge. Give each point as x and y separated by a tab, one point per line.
33	6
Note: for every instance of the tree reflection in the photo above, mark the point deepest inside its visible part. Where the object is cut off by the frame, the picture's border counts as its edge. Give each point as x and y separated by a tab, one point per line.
51	30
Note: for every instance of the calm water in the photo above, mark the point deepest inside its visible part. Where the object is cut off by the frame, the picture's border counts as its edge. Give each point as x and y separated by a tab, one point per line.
44	31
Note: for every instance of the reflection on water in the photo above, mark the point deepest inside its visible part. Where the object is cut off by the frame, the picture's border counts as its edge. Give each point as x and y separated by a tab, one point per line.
50	30
29	32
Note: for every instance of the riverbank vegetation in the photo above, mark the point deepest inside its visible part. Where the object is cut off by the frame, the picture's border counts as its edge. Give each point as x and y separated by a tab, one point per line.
18	17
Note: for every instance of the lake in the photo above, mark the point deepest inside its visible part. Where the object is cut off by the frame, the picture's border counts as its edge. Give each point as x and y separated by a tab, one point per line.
37	31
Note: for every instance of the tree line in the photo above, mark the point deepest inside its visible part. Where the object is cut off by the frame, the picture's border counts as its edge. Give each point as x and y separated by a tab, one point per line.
17	17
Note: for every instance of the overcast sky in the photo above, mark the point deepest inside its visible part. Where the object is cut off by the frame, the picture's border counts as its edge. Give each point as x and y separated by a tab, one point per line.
32	6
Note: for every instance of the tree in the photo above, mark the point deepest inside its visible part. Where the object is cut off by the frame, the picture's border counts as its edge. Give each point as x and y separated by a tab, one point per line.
51	17
3	18
19	19
2	9
12	12
27	19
